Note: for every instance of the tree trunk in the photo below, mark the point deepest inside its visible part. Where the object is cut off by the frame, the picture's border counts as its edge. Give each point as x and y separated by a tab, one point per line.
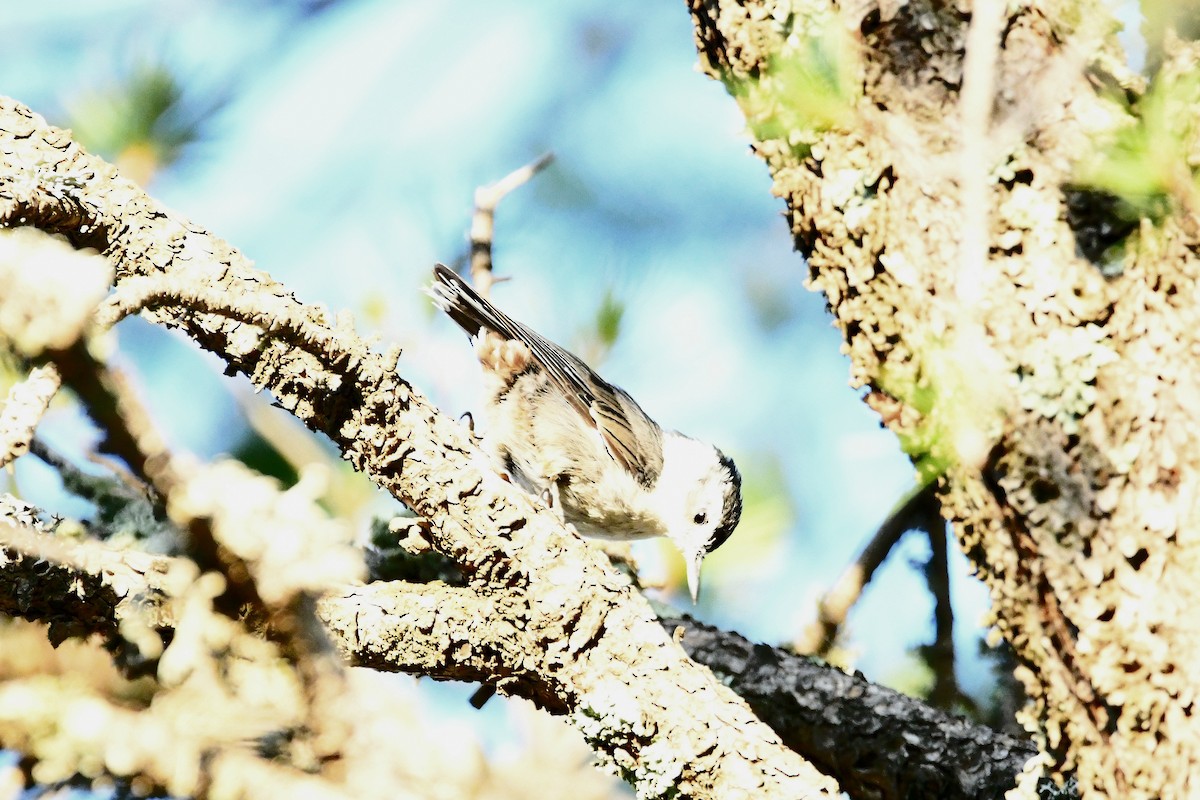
933	162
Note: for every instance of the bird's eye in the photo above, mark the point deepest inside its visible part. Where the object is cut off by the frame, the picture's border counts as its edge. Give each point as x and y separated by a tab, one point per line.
700	518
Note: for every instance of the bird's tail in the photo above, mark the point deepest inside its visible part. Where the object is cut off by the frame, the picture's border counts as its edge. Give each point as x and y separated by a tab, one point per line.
463	304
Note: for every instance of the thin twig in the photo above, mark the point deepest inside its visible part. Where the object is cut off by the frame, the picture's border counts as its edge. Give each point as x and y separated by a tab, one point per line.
131	434
94	489
24	408
483	221
818	638
122	418
940	656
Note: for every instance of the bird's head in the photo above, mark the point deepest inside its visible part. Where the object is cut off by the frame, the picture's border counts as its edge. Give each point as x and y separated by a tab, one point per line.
698	496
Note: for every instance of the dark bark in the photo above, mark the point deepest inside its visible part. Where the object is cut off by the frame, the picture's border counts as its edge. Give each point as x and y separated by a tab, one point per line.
878	743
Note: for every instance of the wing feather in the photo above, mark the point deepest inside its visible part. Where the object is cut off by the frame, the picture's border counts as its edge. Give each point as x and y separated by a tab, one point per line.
631	438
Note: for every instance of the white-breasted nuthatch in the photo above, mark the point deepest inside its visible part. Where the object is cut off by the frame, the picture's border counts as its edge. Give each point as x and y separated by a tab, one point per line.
560	430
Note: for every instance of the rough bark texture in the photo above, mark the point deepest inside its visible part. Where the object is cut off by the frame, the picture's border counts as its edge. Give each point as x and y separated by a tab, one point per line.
572	627
1056	401
877	743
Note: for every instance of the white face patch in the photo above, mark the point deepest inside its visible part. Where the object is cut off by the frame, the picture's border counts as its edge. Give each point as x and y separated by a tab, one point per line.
690	492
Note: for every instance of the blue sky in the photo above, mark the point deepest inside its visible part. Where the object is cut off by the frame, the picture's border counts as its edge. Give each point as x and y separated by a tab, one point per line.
344	163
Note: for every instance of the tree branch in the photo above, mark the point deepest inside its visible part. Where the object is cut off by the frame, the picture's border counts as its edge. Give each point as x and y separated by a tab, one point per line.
23	409
939	654
78	588
871	739
875	741
483	221
834	606
654	714
448	633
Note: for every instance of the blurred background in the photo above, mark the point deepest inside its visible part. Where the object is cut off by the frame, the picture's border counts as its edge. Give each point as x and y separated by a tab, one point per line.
338	144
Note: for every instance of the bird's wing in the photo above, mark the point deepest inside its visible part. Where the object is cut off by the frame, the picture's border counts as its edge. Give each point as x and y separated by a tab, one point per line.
632	439
630	436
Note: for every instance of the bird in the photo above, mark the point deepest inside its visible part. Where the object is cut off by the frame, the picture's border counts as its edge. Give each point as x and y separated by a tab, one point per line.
563	433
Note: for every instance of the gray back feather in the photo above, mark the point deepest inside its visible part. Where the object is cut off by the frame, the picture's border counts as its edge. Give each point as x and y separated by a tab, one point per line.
632	439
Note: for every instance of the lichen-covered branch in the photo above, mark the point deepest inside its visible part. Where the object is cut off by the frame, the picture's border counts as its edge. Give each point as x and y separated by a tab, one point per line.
70	718
863	735
77	588
1055	400
27	401
236	730
663	721
433	629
